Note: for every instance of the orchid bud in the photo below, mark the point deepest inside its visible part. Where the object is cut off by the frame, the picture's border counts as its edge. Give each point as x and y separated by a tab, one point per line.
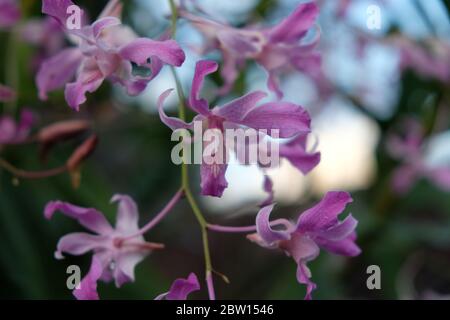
62	130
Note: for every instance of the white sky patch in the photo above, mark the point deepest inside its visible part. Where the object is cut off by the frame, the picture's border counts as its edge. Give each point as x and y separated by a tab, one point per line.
245	188
347	141
438	150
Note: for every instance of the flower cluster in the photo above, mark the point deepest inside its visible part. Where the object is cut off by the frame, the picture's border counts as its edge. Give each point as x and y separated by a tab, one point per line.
105	49
277	49
289	119
9	13
108	50
409	151
317	227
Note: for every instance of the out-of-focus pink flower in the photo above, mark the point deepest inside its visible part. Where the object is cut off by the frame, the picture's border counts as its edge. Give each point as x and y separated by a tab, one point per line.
432	62
288	118
105	50
343	6
181	288
295	151
46	35
12	132
409	149
277	49
317	227
117	249
7	94
9	13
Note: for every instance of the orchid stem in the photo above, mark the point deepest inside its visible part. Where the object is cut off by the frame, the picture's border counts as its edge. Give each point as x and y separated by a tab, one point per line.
210	285
173	9
19	173
185	172
169	206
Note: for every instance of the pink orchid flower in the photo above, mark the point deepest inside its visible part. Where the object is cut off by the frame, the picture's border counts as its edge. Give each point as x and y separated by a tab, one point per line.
317	227
295	151
181	288
118	250
14	133
105	50
288	118
432	61
277	49
7	94
410	151
9	13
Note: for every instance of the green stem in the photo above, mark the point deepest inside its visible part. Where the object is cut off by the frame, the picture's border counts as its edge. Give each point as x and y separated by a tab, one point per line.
184	168
173	9
181	98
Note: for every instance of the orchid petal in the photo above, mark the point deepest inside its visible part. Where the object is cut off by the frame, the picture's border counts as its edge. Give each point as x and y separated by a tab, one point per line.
235	110
245	43
295	152
213	181
265	231
125	265
346	247
301	248
202	69
181	288
88	217
88	286
273	83
127	214
78	243
106	22
89	79
229	72
324	214
172	122
340	231
288	118
57	9
56	71
303	276
295	25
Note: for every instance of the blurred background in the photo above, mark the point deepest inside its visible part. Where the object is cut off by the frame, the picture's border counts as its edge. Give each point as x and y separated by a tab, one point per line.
377	79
